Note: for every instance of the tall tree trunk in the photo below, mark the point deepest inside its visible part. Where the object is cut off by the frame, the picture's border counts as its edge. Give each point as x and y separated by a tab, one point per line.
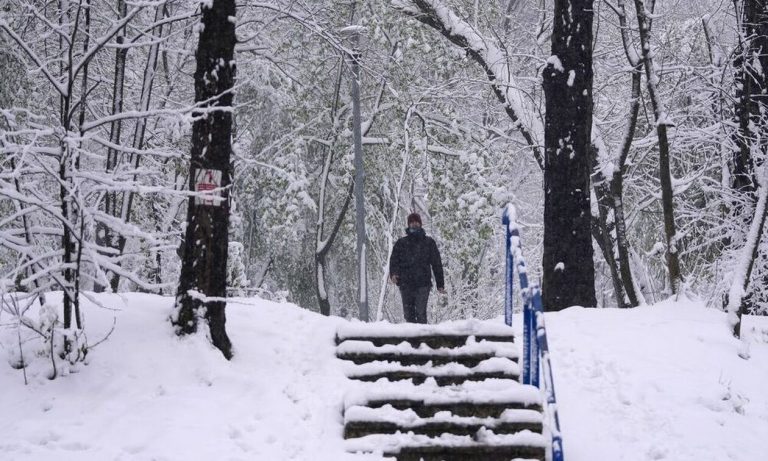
750	64
323	245
569	272
601	232
64	148
104	237
126	204
79	218
68	165
751	81
611	195
662	120
736	305
203	279
321	253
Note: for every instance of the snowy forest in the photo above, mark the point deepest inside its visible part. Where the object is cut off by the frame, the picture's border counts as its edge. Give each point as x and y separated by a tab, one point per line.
631	140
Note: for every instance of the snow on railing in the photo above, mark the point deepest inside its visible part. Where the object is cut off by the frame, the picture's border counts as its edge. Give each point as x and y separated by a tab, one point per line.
535	346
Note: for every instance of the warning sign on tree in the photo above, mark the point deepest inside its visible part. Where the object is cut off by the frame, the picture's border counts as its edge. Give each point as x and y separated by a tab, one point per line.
207	184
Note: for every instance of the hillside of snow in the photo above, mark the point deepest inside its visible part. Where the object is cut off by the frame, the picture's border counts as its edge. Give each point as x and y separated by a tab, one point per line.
652	383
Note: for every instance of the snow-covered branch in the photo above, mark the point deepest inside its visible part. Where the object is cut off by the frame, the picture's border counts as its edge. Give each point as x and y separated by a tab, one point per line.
491	58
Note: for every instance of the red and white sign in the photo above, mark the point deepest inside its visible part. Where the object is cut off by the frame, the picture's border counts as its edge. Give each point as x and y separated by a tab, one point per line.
206	184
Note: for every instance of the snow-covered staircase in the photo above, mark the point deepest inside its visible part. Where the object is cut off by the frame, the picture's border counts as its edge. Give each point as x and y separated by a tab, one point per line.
445	392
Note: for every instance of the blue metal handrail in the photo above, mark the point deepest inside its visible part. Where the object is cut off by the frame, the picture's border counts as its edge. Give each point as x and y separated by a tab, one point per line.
535	346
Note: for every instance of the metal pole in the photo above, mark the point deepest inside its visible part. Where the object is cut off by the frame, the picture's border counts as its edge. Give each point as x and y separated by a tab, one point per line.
510	273
362	278
536	322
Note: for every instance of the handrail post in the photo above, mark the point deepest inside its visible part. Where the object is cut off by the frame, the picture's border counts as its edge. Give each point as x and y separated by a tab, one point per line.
506	219
536	349
527	324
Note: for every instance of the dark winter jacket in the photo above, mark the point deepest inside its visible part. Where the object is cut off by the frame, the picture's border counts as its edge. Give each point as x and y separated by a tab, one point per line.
411	259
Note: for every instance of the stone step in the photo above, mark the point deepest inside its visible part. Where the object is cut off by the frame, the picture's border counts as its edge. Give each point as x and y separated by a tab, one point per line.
445	334
458	408
418	377
452	373
434	341
482	398
354	429
469	355
446	392
470	453
362	421
483	446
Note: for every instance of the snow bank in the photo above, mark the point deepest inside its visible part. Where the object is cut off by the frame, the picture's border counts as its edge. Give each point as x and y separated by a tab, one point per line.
659	382
148	395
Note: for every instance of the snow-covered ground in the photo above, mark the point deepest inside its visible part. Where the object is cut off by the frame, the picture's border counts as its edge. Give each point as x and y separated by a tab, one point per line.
659	382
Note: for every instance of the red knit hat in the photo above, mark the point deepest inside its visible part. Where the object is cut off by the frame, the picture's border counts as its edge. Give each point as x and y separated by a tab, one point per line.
414	217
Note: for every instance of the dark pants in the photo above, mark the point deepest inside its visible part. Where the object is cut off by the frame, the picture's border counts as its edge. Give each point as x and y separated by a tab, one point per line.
415	303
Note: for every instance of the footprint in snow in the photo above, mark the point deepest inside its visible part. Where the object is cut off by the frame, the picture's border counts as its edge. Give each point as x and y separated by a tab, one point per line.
75	446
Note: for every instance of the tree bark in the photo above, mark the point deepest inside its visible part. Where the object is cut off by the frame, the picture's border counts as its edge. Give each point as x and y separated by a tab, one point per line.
569	272
123	211
736	303
601	232
661	119
104	237
323	247
610	204
749	62
203	279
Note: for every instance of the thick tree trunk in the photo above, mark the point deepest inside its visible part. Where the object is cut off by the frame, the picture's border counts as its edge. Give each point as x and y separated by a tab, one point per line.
569	272
203	280
750	64
751	83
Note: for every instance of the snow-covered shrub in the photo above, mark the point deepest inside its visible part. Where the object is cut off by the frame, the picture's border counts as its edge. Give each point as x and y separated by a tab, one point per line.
237	280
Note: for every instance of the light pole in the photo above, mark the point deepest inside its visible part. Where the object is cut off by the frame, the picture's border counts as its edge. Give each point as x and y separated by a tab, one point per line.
357	137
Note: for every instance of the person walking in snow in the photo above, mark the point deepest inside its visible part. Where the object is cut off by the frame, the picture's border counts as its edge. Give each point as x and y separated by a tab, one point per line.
413	259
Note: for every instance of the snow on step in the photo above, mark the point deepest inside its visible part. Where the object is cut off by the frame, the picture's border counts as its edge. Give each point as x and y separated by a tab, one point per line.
392	444
454	327
408	419
470	327
350	348
502	365
448	374
498	392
